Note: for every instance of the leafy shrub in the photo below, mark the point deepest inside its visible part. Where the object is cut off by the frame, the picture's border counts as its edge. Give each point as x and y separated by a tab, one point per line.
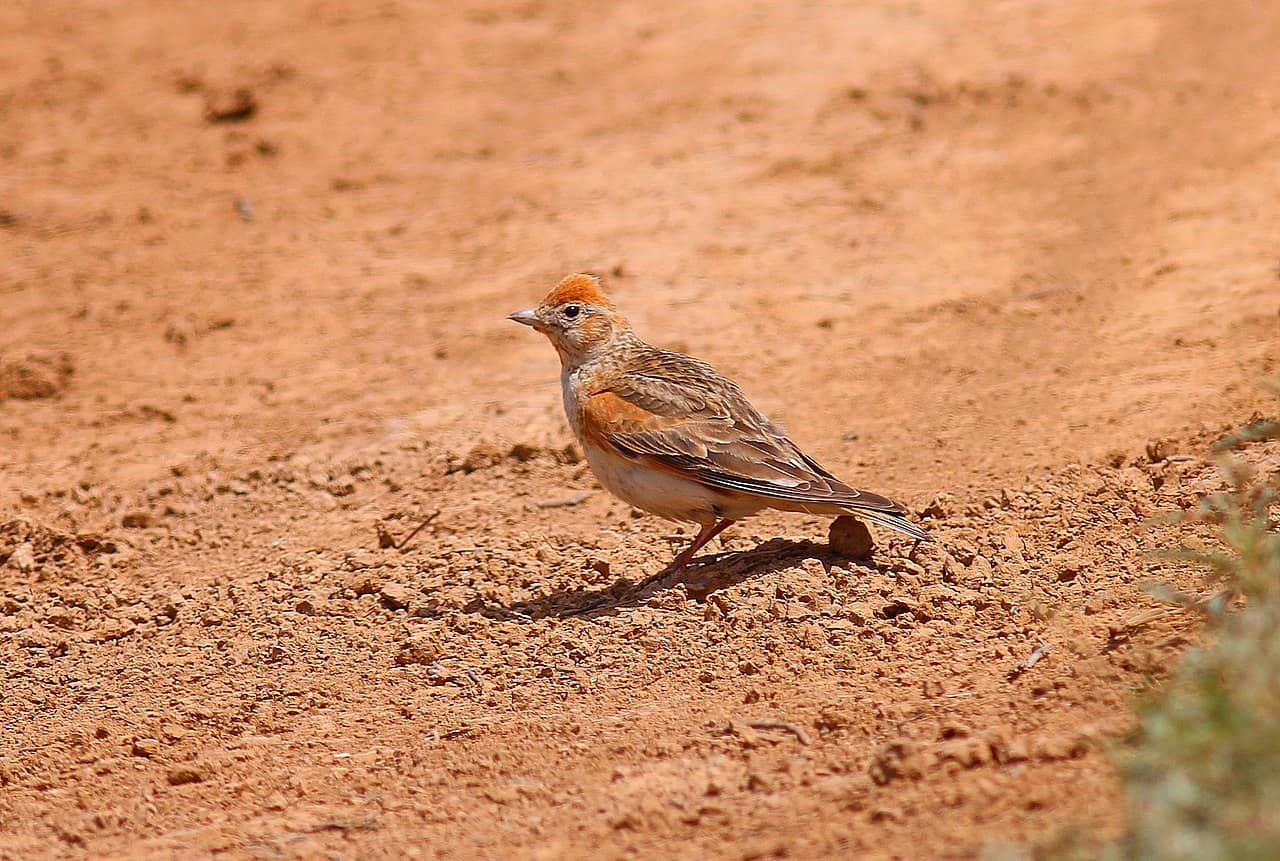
1204	778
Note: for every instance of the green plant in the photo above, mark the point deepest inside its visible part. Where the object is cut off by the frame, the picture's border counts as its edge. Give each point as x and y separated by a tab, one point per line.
1203	772
1204	777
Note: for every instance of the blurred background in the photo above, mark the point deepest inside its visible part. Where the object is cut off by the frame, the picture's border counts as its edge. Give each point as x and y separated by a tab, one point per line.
1034	225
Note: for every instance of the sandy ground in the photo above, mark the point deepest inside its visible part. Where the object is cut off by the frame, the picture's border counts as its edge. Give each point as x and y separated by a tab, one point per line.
254	264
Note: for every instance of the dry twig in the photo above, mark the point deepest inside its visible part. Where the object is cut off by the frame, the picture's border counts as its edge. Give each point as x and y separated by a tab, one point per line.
564	502
798	731
1030	660
385	538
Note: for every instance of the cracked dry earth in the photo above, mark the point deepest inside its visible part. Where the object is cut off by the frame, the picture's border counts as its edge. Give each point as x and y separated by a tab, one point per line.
1014	266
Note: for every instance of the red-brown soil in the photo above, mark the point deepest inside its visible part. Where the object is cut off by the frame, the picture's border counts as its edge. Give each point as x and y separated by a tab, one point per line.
254	264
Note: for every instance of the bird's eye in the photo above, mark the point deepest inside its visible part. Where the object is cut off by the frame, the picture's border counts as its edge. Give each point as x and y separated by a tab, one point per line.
571	311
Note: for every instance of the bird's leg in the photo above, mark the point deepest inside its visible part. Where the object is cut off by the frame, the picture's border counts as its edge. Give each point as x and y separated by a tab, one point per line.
711	530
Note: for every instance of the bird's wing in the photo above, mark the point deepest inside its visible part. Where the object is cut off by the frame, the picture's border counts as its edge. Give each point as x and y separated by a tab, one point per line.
680	414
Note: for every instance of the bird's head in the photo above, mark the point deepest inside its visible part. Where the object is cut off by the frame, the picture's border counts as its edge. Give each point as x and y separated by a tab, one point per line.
577	317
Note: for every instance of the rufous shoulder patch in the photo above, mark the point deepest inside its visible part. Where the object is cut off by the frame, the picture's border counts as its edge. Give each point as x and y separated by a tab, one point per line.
614	414
578	288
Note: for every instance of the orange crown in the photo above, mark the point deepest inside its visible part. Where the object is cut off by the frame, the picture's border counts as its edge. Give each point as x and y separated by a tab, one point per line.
578	288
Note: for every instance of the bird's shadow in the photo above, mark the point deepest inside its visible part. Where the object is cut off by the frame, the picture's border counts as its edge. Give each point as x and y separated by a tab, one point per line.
704	576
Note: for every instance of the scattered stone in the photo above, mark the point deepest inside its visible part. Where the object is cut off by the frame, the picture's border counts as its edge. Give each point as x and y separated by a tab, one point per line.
423	647
898	607
524	452
236	487
980	571
896	760
60	617
832	718
362	560
42	641
385	539
112	629
1066	566
147	747
180	331
885	813
939	508
23	557
1014	546
137	520
965	552
850	537
860	614
481	456
92	543
229	106
35	376
798	611
1160	449
164	611
323	501
965	752
344	486
184	774
1059	747
396	596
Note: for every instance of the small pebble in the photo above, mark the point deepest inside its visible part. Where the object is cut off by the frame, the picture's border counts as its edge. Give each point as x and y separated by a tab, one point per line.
850	537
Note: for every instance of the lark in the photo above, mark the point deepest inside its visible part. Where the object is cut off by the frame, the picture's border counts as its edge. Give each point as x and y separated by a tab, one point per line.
668	434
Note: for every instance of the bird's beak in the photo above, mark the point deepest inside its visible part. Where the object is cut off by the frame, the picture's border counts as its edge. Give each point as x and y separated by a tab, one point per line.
528	317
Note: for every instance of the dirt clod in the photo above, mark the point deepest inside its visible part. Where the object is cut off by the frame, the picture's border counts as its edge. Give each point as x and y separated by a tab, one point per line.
185	774
1160	449
232	105
851	538
897	760
35	376
137	520
23	557
396	596
420	648
145	747
481	456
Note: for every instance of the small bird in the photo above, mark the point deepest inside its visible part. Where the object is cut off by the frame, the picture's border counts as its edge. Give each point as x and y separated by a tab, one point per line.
670	435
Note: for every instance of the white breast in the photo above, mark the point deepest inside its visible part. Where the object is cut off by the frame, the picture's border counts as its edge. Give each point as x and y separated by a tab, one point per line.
568	391
649	489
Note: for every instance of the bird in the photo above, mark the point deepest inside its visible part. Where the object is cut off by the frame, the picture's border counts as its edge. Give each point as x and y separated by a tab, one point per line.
670	435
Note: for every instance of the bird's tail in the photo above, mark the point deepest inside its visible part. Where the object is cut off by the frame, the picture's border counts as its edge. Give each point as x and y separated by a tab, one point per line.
889	515
890	520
